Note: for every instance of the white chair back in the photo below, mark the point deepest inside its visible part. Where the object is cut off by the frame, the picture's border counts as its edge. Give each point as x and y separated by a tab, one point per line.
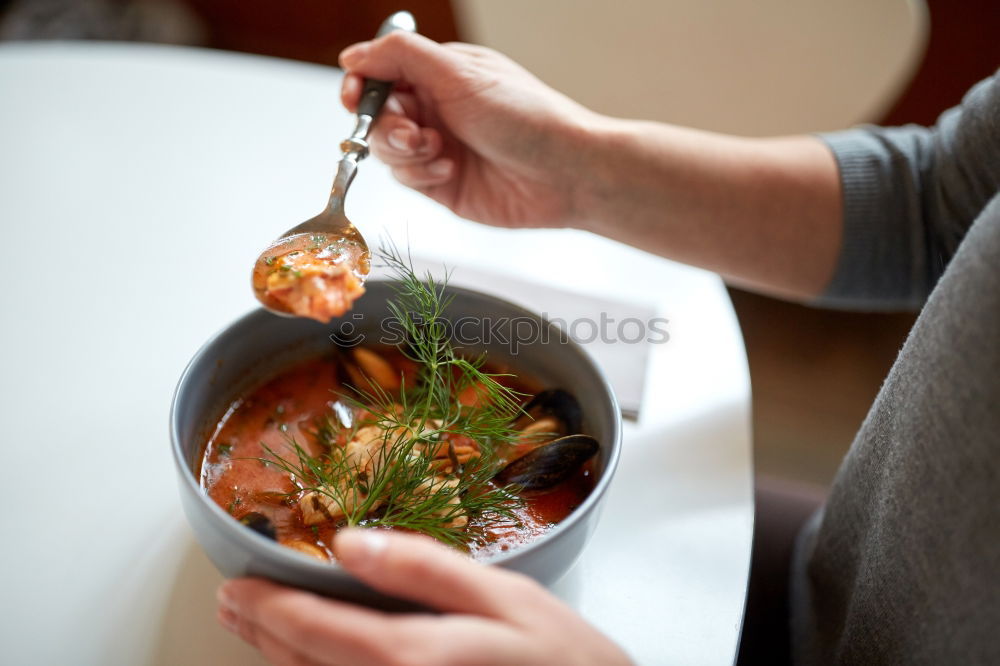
755	67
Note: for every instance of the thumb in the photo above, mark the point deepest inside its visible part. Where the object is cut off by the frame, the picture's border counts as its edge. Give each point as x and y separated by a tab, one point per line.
405	56
419	569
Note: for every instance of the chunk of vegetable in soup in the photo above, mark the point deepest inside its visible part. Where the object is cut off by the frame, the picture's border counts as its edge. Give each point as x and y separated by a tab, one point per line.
303	405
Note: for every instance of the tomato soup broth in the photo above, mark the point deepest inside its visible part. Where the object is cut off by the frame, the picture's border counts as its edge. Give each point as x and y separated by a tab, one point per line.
288	408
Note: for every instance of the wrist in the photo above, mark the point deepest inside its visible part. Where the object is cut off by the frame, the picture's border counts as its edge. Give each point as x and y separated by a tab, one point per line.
592	170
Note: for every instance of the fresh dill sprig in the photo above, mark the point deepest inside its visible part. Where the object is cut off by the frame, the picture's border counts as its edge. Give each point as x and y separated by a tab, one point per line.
407	483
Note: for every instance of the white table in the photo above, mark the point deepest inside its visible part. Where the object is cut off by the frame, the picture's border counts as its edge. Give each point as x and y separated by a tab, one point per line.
136	185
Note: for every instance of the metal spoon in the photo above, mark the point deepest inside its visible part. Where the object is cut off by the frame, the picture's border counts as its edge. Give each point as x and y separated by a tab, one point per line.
317	269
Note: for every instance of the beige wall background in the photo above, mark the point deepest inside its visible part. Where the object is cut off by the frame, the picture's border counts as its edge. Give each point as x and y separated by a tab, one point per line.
748	67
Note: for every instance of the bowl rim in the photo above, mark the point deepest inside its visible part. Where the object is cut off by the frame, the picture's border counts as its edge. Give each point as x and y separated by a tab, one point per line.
273	551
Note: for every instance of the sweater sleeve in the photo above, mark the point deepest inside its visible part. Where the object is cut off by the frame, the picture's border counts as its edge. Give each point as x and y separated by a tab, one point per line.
910	194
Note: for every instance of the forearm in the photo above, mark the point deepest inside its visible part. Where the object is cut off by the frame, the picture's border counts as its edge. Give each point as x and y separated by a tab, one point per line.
482	136
765	213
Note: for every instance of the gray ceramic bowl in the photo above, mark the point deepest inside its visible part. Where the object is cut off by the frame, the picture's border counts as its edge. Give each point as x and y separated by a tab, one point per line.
259	344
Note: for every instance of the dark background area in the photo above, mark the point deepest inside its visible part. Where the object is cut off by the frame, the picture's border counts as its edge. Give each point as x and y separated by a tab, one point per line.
312	30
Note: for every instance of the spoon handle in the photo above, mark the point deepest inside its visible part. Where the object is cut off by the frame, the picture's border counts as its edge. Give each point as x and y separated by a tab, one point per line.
375	92
373	96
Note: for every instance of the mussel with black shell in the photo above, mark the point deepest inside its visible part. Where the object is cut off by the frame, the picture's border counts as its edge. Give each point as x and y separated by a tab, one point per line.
260	524
550	447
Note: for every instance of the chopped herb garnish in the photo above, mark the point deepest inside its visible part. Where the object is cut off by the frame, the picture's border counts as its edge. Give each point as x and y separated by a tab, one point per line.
413	487
224	449
317	242
268	261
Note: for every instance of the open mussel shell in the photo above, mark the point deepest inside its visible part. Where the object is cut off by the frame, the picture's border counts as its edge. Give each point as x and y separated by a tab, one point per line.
260	524
559	404
549	464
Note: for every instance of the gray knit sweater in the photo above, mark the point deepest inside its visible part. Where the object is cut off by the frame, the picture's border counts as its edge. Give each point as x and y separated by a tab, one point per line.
902	566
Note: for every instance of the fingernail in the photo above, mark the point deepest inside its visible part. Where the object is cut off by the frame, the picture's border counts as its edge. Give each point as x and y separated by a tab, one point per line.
351	87
441	167
360	548
353	56
224	597
398	139
229	620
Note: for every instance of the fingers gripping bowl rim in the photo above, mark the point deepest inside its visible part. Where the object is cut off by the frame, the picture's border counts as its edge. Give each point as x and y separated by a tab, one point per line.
259	344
